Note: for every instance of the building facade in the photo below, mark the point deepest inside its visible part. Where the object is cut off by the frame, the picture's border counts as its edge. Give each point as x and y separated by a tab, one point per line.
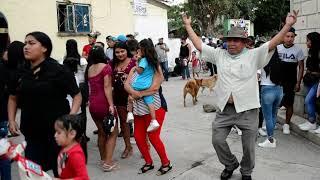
74	19
308	21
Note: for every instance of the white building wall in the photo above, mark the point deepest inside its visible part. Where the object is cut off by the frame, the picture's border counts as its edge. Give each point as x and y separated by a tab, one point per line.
24	16
154	25
308	21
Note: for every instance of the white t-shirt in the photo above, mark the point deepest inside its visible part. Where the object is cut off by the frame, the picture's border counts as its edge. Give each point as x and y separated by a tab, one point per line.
265	80
292	54
237	75
70	99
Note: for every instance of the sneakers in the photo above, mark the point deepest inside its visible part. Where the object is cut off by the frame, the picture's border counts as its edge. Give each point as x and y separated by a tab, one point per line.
317	131
130	117
308	126
154	125
268	144
282	108
303	124
286	129
262	132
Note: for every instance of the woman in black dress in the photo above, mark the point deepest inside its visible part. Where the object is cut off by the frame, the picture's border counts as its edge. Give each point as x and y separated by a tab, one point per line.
41	93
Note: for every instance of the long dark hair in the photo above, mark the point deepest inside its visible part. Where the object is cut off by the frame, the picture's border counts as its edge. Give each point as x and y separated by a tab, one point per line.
16	57
314	50
96	55
71	64
70	122
150	53
72	50
44	40
120	45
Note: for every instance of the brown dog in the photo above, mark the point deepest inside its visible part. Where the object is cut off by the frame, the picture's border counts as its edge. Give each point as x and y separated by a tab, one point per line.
208	83
192	87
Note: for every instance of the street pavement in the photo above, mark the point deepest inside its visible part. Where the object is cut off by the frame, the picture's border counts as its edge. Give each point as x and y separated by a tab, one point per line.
187	136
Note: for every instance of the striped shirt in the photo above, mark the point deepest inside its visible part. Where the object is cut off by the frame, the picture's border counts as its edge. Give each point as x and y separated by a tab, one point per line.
139	107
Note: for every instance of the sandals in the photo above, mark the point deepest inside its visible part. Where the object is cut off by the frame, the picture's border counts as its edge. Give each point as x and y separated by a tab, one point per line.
100	163
145	168
126	153
164	169
108	168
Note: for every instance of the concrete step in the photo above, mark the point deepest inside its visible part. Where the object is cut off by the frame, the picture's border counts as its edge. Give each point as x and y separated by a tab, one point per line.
295	121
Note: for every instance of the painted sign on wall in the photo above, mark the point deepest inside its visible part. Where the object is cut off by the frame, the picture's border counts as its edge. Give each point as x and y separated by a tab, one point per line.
140	7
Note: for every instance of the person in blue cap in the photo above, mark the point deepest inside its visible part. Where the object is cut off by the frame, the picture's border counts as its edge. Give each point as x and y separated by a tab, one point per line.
111	41
122	38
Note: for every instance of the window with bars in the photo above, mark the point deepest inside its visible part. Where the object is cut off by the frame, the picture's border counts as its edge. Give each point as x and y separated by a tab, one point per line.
73	18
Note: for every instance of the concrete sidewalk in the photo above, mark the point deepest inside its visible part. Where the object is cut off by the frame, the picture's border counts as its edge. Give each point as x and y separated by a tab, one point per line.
295	121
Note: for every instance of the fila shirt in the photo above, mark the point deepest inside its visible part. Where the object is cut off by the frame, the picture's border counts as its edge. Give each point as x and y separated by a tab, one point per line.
292	54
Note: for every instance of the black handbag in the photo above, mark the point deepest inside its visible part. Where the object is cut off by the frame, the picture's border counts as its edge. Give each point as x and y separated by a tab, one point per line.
310	79
109	123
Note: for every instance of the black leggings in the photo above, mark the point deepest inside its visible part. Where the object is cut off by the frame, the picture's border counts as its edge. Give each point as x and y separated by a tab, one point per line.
44	153
84	89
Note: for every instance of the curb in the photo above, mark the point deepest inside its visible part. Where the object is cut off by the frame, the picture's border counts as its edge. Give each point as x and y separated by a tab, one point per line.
295	121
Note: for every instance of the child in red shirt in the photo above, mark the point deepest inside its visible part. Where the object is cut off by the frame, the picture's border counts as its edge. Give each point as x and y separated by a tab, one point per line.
195	64
71	159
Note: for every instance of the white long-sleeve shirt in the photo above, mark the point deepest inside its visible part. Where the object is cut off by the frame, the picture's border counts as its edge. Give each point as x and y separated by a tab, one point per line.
237	75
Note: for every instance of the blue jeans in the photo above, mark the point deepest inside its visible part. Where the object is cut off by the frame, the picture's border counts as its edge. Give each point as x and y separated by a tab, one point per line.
310	102
271	97
185	72
164	67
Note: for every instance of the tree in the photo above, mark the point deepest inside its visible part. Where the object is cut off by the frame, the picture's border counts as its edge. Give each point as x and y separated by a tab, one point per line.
208	15
269	17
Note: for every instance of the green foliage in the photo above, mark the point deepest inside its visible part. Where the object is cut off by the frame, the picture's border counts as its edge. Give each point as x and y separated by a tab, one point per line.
208	15
175	21
270	15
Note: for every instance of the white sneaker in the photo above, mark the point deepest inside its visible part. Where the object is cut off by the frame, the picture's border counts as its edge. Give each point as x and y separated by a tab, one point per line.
238	131
268	144
264	127
130	117
303	124
317	131
286	129
154	125
262	132
309	126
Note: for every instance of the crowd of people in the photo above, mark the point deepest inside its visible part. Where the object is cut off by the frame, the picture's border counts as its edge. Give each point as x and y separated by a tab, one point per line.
278	66
53	96
122	83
